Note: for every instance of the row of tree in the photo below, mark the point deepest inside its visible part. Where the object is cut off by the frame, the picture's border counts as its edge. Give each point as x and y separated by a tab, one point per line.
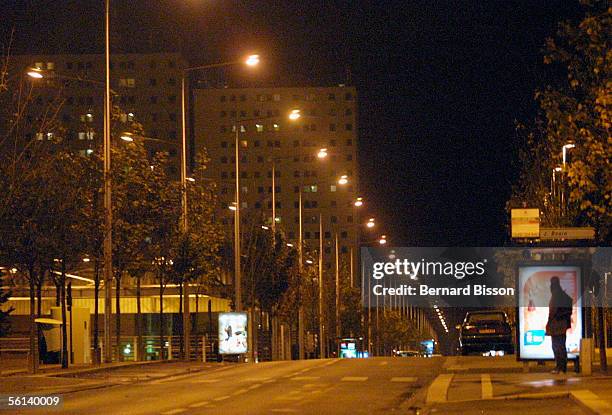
574	111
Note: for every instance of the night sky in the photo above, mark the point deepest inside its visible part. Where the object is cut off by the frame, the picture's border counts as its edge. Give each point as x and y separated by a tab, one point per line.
440	84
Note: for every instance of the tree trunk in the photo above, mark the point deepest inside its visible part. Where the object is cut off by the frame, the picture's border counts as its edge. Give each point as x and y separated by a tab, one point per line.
161	320
96	327
139	348
118	315
64	328
180	324
33	356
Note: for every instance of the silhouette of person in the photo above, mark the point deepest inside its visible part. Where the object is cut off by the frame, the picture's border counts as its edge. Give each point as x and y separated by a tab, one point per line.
559	321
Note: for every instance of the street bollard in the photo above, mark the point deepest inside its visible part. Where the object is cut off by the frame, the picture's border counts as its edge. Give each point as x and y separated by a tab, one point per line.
204	349
586	357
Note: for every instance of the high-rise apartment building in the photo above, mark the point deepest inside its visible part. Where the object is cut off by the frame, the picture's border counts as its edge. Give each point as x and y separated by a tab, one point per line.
269	141
145	87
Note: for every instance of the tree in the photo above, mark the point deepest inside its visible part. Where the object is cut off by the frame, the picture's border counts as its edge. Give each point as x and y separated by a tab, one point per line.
574	110
4	312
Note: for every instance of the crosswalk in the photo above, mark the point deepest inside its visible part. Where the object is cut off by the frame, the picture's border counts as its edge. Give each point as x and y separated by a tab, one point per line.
449	388
304	378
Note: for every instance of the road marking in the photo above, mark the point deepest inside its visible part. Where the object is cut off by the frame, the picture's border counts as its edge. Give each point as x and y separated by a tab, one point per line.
486	386
205	380
305	377
438	389
591	402
221	398
269	381
240	392
198	404
256	379
406	379
383	363
254	386
354	378
174	411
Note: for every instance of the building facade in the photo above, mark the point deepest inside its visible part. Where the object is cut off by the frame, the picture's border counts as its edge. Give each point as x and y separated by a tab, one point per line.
269	141
145	87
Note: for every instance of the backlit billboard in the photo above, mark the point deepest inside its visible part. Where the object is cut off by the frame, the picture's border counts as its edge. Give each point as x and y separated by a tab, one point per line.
233	333
534	296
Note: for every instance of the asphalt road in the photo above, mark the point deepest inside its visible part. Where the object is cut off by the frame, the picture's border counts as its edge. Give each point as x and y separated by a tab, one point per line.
351	386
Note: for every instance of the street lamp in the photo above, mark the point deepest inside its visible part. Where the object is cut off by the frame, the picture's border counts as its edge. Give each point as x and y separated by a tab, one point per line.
358	202
251	60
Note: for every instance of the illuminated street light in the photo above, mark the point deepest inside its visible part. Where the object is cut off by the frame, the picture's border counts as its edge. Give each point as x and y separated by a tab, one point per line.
371	223
232	206
252	60
343	179
35	73
322	153
190	179
294	115
290	245
309	262
358	202
565	148
129	137
86	259
383	240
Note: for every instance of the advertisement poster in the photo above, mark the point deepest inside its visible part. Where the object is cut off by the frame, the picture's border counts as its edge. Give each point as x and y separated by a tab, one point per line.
233	333
534	297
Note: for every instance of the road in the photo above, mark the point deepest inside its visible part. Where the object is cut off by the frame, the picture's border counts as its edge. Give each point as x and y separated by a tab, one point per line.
440	385
356	386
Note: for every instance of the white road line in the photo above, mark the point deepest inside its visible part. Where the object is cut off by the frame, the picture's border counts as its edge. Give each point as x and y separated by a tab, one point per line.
306	378
593	403
198	404
256	379
254	386
240	392
486	386
269	381
205	380
438	389
405	379
221	398
354	379
174	411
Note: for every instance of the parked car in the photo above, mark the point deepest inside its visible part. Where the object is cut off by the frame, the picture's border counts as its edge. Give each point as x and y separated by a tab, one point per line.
485	331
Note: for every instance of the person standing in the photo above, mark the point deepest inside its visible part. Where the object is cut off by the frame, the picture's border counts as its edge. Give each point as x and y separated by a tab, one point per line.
559	321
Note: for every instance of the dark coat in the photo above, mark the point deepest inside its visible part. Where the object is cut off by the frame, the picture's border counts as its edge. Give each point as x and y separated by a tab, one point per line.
559	313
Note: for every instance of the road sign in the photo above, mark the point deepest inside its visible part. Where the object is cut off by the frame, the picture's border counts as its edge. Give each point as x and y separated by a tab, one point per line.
567	233
525	223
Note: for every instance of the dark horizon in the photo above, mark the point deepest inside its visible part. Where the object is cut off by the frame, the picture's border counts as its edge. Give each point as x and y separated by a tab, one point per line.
440	85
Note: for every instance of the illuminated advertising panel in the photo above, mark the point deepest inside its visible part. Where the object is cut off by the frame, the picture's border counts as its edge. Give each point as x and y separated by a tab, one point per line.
534	297
233	333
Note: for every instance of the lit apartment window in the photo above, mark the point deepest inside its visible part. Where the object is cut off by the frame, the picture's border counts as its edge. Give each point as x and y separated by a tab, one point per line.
244	143
90	135
259	128
81	135
277	97
127	82
332	188
276	127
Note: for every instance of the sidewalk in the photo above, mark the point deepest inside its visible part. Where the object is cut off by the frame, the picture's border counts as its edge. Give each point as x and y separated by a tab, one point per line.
470	383
54	380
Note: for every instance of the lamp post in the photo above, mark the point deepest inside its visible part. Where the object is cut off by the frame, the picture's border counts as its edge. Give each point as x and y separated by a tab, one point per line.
251	60
108	208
